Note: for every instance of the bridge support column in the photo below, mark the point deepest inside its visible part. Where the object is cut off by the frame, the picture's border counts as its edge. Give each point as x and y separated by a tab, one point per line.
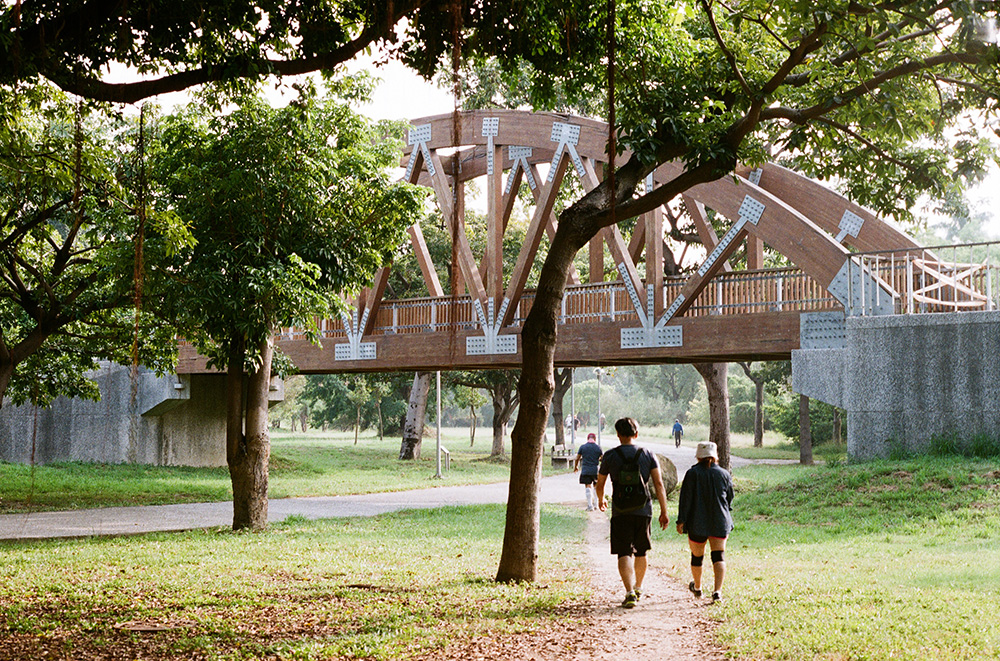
905	379
176	420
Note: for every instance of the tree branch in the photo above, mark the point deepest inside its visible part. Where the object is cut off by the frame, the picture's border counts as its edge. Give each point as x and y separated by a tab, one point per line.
733	64
233	68
866	87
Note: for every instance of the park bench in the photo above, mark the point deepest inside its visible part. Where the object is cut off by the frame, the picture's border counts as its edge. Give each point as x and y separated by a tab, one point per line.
562	457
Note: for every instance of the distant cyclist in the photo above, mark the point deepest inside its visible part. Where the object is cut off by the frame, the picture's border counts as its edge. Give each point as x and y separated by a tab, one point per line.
678	433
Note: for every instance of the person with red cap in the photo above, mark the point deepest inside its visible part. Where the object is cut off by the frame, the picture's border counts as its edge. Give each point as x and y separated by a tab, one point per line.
588	460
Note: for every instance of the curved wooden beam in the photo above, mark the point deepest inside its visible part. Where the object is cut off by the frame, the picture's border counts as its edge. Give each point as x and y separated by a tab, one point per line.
826	208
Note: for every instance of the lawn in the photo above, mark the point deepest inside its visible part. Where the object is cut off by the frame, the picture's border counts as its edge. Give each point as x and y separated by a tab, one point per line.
312	464
891	559
775	446
391	587
882	560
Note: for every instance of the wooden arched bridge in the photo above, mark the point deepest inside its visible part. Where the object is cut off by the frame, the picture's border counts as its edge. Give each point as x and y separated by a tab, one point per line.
716	313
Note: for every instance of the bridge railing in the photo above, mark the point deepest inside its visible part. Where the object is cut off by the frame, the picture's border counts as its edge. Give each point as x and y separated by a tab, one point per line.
743	292
947	278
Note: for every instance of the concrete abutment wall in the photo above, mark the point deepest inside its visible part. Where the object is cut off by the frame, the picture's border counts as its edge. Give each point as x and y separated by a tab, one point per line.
175	421
906	378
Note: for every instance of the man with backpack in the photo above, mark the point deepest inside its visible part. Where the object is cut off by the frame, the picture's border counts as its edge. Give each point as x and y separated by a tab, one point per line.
630	469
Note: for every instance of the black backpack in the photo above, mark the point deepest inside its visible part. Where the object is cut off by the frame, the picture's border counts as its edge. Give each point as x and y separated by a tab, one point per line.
630	492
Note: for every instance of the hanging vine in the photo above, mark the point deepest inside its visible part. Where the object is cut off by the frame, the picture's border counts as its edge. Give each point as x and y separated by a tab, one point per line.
612	146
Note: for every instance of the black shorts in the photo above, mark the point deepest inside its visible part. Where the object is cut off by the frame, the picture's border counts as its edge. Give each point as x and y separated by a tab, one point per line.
699	539
630	535
587	479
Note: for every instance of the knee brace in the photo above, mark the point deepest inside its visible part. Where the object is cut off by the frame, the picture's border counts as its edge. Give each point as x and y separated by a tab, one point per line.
717	556
696	560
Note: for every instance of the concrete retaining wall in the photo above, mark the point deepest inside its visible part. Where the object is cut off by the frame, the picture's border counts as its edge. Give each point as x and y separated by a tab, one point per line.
906	378
175	421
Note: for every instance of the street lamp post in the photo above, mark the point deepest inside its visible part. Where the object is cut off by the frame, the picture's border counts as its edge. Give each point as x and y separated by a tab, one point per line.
572	407
599	372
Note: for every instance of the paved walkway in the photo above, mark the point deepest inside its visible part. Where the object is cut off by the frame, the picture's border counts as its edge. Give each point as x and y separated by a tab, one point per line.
152	518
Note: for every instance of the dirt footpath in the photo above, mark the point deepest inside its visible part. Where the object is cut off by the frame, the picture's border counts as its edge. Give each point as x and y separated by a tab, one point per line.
668	622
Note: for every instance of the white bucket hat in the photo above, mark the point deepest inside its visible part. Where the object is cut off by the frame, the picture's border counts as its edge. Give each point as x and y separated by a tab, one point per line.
705	450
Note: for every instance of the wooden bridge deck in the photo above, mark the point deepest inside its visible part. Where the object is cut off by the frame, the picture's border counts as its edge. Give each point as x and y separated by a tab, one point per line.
746	315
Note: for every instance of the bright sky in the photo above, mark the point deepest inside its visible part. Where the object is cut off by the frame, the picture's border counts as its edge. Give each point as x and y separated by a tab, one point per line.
402	94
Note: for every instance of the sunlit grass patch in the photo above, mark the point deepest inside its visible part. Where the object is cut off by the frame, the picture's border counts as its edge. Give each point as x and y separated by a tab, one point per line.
372	588
865	561
313	464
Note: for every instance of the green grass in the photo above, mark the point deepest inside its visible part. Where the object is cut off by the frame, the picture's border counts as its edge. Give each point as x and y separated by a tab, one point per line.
775	446
889	559
312	464
387	587
864	561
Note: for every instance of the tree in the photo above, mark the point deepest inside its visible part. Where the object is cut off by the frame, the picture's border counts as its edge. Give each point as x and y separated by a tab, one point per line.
562	380
470	398
864	92
351	401
766	373
716	383
69	212
805	433
502	387
416	415
73	43
293	407
288	207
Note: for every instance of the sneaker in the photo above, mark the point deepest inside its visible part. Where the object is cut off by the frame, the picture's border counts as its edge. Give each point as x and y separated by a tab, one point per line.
716	597
638	593
695	591
630	600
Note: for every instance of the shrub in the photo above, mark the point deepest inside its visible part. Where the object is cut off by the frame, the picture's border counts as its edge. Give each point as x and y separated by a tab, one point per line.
741	417
979	445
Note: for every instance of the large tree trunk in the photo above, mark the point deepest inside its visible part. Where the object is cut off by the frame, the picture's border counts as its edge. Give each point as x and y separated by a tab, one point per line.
473	419
805	432
562	379
248	462
577	225
717	385
416	414
519	556
6	372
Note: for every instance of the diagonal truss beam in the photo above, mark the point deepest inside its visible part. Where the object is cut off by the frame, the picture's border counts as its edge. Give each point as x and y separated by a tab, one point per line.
373	298
522	268
708	237
466	260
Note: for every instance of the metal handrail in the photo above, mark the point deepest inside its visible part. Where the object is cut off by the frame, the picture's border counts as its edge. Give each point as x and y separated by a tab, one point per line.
925	280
